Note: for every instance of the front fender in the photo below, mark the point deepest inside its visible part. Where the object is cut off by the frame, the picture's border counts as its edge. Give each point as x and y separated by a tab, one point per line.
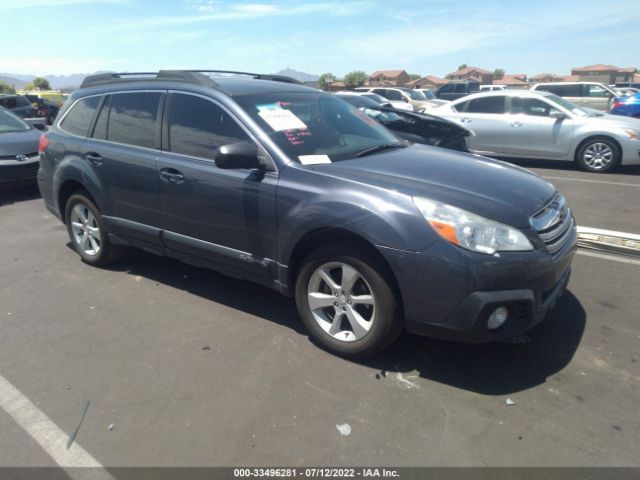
309	202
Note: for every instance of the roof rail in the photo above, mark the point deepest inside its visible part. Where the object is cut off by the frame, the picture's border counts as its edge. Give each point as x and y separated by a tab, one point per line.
198	77
127	77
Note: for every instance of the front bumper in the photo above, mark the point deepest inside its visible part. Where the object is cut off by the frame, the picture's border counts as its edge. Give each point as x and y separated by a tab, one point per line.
450	293
17	171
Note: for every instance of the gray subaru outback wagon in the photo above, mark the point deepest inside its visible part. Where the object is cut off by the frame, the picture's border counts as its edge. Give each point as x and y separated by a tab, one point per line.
265	179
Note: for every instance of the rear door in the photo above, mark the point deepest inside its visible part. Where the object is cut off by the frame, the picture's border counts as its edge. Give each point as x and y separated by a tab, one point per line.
533	133
223	215
122	149
487	118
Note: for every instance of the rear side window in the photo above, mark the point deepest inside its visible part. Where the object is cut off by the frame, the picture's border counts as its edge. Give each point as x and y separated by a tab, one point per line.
23	102
461	88
394	95
197	127
447	88
486	105
133	118
79	118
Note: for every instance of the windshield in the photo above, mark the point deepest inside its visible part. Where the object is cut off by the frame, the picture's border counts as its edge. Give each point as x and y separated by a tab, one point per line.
572	107
428	94
417	95
11	123
316	127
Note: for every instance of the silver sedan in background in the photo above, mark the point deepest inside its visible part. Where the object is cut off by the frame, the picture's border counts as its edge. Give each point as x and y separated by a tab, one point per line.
530	124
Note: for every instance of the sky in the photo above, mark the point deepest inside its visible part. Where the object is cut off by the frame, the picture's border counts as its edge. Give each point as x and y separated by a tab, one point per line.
42	37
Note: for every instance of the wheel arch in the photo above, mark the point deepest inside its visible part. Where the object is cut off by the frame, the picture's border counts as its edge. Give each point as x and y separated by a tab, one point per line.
338	237
595	136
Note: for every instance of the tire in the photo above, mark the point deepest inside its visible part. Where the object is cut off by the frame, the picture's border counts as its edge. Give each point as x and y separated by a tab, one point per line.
369	317
598	155
87	232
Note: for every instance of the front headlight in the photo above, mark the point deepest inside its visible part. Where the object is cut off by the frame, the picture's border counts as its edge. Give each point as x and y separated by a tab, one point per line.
469	230
633	135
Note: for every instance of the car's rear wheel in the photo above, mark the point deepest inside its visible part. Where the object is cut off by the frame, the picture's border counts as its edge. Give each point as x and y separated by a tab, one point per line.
346	303
88	233
599	154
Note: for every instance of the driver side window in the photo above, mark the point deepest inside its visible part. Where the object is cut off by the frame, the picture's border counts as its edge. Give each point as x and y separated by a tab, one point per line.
197	127
530	106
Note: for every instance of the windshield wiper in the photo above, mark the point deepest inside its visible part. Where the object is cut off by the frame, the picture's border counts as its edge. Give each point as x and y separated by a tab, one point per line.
379	148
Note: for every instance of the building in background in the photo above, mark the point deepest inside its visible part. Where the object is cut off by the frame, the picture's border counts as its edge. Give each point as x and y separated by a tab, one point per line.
607	74
389	78
484	77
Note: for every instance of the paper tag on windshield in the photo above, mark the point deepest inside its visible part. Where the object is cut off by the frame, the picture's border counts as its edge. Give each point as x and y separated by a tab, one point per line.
314	159
280	119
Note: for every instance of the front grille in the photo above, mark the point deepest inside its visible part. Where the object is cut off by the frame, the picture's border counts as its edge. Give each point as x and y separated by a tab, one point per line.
555	225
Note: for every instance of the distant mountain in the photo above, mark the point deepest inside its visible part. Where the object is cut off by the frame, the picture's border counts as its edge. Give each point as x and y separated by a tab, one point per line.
300	76
56	81
10	79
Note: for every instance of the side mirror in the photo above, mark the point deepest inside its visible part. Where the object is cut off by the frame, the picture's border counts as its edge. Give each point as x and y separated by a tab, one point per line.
557	114
237	155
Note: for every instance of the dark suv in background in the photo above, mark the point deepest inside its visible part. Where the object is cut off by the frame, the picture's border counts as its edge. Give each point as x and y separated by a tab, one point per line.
18	104
456	90
267	180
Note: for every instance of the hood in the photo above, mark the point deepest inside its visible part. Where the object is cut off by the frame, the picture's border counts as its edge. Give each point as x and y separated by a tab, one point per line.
491	188
19	143
620	121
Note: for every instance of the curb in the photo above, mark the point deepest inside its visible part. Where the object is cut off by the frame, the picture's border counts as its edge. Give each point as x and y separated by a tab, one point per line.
609	241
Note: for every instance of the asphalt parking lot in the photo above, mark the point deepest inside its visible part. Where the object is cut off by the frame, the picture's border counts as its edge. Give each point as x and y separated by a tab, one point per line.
191	368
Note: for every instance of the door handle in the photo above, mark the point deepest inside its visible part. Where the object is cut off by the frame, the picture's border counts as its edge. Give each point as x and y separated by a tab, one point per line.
465	120
171	175
516	124
94	159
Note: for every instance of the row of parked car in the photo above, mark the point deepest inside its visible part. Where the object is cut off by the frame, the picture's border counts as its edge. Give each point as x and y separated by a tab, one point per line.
30	106
615	100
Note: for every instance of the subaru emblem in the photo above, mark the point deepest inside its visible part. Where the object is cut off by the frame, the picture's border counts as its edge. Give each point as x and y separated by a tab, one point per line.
22	158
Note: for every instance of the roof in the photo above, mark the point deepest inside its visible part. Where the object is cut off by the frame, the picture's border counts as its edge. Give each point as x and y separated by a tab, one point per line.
429	78
598	67
387	73
466	70
510	81
570	78
541	76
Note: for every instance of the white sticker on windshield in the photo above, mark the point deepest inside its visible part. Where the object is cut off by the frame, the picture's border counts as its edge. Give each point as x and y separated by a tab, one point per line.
314	159
280	119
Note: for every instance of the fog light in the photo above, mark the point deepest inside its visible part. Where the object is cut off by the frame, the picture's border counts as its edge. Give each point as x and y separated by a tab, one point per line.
497	318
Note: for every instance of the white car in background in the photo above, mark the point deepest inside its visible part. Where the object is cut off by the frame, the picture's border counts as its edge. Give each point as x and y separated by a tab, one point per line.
492	88
530	124
393	96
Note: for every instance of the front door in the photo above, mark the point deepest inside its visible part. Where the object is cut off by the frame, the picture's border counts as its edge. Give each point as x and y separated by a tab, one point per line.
533	132
223	215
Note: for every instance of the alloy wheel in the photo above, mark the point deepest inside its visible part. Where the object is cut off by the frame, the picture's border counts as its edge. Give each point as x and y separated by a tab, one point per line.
598	155
341	301
86	232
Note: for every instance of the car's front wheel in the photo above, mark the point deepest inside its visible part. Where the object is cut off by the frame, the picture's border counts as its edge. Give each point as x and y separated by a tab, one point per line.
88	233
346	303
599	155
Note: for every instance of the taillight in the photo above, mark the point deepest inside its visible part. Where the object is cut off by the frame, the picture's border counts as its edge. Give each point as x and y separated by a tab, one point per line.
44	143
617	105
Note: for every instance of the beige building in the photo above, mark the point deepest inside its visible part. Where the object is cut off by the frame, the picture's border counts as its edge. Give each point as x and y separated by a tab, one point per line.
607	74
481	75
429	81
389	78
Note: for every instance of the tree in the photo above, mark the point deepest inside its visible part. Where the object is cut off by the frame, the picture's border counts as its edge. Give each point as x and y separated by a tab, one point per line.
357	78
41	83
498	73
6	88
325	79
28	86
460	67
414	76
